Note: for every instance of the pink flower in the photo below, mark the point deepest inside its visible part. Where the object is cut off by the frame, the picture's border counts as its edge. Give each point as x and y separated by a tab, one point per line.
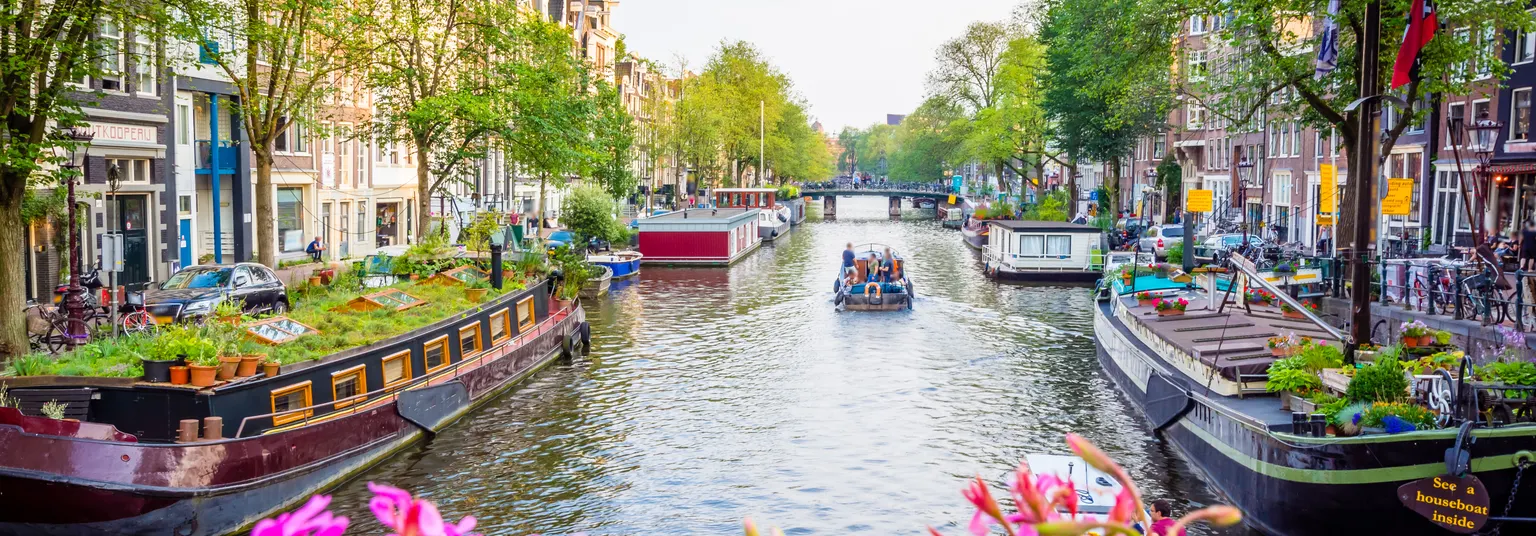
312	519
408	516
986	507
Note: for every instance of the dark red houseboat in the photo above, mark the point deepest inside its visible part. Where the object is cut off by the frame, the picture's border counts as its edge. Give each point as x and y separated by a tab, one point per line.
121	471
700	236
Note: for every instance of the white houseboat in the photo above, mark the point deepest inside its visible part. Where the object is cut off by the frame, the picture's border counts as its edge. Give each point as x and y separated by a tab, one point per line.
1049	251
773	218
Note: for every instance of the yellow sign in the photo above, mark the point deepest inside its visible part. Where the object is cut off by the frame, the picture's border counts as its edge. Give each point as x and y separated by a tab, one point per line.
1399	199
1199	201
1328	191
1325	219
951	199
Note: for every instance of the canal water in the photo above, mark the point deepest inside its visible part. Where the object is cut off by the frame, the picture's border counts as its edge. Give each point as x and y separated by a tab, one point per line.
713	394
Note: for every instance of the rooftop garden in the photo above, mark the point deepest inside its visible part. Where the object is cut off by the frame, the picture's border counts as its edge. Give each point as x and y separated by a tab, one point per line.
337	324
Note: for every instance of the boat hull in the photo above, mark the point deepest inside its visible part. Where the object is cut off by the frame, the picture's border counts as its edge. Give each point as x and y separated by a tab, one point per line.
624	264
598	286
1043	276
1290	485
57	485
976	240
770	231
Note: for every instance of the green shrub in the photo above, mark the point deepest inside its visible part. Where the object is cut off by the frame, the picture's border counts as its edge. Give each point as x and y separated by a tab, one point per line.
1383	381
1176	253
1421	417
588	211
1293	380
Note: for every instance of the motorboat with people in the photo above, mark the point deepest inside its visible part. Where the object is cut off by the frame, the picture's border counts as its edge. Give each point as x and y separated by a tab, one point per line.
873	278
623	263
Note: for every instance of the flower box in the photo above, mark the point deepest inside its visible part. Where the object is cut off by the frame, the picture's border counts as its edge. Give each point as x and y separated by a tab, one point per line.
1302	405
1296	315
1335	380
1170	312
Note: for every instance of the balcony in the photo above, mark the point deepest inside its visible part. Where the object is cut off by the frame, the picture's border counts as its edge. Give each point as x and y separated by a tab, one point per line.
227	157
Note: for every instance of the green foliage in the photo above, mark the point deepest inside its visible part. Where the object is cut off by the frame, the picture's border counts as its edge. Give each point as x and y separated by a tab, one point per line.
788	191
1315	357
53	409
1383	381
1332	408
477	236
1052	207
1421	417
6	400
589	212
1176	253
1291	374
613	142
545	115
574	271
1508	372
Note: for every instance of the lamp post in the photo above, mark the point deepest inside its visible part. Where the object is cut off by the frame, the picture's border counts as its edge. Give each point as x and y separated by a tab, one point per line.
1148	190
1244	181
1481	136
74	298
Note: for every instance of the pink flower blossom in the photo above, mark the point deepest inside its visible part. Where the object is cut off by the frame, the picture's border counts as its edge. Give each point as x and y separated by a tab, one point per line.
408	516
312	519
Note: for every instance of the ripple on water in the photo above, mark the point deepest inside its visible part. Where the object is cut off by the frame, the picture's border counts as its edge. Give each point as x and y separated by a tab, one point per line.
714	394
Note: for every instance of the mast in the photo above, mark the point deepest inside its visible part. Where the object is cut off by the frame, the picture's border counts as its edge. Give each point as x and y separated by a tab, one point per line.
1363	170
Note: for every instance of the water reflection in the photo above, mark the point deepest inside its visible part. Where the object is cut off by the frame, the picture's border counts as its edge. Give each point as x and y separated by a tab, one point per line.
712	394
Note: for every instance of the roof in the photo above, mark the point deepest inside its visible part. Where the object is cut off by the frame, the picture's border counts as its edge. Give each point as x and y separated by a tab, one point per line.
735	190
700	215
1057	226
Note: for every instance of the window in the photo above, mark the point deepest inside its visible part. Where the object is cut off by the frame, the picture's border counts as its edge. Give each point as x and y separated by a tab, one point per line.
1196	24
1455	112
435	354
290	229
143	65
1525	47
183	204
1058	245
469	341
397	369
1487	53
1195	117
109	42
501	326
1460	71
1197	68
1031	245
1159	146
184	121
1295	139
525	315
1520	115
288	401
1281	186
1479	109
1450	210
129	170
348	383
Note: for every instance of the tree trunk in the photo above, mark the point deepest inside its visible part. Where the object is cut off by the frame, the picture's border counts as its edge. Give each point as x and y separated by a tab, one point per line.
538	207
266	224
1112	186
1003	186
423	195
13	253
1072	194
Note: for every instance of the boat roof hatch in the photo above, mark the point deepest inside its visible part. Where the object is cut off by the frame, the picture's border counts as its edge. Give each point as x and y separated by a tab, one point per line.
1096	490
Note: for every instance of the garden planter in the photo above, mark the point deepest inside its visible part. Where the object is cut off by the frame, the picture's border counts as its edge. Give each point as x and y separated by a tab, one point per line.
563	304
1300	404
1427	340
228	365
1126	278
270	369
248	365
1260	303
1363	356
1294	315
1170	312
1335	380
1144	303
158	371
1277	352
415	277
179	375
1332	430
326	275
1285	400
201	376
314	281
475	294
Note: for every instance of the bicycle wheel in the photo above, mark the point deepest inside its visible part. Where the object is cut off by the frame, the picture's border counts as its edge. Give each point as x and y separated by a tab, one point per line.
137	322
65	334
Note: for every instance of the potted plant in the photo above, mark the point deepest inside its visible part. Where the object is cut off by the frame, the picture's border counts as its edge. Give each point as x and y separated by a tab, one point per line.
1166	307
1128	273
1289	377
203	369
270	368
179	375
229	311
476	291
158	370
1144	299
1280	346
1415	334
1292	312
1160	270
1366	353
1285	268
1442	337
1259	297
175	344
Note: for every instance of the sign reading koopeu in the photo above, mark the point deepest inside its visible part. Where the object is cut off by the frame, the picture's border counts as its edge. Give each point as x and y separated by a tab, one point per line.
1457	504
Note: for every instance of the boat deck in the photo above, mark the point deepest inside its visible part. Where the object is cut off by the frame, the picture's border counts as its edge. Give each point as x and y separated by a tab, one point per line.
1233	342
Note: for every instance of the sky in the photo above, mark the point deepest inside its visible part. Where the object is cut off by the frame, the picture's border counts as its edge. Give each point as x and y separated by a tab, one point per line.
854	61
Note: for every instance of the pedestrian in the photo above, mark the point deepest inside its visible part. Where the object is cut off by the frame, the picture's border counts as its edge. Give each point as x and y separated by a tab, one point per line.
1162	519
314	249
1324	239
1528	246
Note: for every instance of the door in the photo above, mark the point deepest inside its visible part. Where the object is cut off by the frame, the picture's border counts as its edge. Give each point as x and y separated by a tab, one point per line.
343	248
184	242
132	219
325	227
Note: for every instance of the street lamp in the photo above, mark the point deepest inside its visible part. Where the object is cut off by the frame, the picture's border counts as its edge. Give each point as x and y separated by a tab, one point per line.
1147	191
75	306
1483	134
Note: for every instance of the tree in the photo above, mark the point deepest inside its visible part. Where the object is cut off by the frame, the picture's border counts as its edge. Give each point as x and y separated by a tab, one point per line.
588	210
1014	128
967	73
546	101
613	140
428	74
748	94
282	60
695	128
929	141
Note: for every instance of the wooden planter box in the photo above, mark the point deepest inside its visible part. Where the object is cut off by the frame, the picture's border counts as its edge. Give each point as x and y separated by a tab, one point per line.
1335	380
1299	404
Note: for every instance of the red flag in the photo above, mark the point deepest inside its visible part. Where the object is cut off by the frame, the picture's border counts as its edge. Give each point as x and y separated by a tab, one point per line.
1421	28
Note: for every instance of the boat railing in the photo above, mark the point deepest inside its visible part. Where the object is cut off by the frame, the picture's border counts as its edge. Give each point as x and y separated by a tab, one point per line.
1246	268
355	402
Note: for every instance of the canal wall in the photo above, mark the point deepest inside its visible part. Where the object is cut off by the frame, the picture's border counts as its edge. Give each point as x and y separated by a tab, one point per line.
1482	343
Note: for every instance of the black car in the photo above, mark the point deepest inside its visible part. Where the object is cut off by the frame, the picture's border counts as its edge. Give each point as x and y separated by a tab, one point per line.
195	291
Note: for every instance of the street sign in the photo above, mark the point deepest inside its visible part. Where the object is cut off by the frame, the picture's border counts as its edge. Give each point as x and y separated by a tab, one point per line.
112	252
1199	201
1325	219
1399	199
1328	190
1093	196
1456	504
951	199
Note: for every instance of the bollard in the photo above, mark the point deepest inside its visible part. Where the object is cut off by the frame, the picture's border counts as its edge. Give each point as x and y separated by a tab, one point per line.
187	432
1300	423
1319	425
213	428
1456	282
496	267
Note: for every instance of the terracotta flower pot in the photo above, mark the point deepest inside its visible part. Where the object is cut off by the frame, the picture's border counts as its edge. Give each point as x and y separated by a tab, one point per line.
1427	340
563	304
1277	351
1294	314
1144	303
1260	303
314	281
270	368
248	365
179	375
201	376
475	294
415	277
228	365
1170	312
1410	342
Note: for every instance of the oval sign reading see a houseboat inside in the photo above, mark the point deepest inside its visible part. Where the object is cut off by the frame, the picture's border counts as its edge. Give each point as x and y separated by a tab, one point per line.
1457	504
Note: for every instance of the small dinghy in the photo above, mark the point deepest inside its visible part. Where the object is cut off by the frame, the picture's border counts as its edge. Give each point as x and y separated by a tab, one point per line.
598	285
623	264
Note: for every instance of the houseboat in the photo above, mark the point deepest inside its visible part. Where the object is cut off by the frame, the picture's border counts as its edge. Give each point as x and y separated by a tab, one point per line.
706	236
774	218
853	291
623	264
1043	251
157	459
1198	378
974	232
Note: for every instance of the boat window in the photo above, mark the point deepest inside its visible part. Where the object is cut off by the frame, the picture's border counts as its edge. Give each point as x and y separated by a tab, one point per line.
397	369
348	383
1031	245
286	401
1058	245
525	315
469	340
435	354
501	326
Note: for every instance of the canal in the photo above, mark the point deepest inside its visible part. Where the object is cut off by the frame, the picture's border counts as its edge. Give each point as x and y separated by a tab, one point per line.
712	394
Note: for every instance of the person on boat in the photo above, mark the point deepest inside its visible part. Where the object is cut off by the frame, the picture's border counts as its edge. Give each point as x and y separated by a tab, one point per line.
848	257
874	268
1162	519
888	269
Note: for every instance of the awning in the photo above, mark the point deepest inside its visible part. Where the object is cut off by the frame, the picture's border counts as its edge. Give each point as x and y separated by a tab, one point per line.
1513	169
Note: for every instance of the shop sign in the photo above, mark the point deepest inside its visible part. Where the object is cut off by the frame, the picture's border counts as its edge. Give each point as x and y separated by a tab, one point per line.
1328	188
1399	199
1456	504
120	132
1199	201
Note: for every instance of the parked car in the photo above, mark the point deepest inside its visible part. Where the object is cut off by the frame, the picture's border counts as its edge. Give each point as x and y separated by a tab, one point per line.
1158	238
193	292
559	238
1216	246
